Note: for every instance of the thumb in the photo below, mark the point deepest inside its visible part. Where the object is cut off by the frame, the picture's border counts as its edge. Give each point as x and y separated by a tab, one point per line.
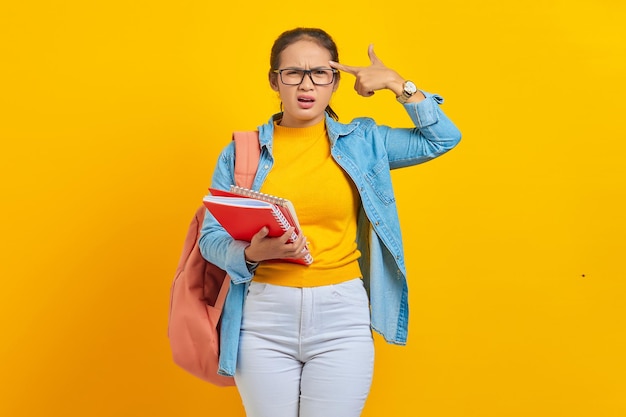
372	55
261	234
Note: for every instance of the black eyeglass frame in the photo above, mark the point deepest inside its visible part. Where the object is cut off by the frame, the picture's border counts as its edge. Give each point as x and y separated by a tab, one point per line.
306	72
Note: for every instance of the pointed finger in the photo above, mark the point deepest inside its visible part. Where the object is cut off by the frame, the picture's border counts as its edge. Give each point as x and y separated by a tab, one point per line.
345	68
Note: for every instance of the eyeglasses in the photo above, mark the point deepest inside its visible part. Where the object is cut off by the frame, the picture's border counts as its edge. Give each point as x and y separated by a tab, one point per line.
295	76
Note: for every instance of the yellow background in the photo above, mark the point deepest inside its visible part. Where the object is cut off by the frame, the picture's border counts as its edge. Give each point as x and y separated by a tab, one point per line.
111	117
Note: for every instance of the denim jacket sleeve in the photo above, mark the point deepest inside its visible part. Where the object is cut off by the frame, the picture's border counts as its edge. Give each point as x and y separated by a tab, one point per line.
435	132
216	245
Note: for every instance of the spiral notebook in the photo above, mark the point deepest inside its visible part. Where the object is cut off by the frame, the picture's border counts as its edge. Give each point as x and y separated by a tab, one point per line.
243	212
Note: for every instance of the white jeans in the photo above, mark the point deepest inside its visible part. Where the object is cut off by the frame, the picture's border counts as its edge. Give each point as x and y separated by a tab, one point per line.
305	352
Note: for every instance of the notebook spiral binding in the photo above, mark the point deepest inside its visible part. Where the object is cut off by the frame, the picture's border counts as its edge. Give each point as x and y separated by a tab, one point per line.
282	221
258	195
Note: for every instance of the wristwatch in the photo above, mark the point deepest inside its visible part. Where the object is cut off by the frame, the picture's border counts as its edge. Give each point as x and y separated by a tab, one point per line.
408	89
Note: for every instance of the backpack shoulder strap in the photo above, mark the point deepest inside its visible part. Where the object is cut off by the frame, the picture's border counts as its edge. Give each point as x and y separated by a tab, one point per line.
247	154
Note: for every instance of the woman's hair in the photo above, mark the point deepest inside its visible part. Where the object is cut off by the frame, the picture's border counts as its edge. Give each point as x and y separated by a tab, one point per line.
318	36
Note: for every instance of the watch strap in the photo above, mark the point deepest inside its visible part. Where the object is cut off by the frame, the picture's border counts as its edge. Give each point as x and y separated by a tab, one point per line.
408	89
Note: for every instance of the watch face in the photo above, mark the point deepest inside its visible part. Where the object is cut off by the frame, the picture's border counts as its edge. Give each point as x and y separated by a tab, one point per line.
409	87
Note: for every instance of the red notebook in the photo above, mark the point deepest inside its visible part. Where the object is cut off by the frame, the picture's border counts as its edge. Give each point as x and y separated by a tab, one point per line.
243	212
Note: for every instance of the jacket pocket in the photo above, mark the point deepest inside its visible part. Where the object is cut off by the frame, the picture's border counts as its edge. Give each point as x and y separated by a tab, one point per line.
379	180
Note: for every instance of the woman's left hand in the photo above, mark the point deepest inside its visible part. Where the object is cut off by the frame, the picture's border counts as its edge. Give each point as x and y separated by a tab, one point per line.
373	77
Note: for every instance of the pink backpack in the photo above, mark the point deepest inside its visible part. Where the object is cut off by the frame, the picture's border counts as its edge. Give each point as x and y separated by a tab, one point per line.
199	288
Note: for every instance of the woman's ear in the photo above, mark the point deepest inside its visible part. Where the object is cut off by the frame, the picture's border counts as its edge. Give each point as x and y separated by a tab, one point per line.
273	81
335	86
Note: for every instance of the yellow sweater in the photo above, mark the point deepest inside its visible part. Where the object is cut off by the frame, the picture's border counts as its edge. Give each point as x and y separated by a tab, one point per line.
326	203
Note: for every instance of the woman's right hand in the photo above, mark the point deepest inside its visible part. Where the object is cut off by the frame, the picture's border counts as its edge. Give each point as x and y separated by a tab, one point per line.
374	77
263	247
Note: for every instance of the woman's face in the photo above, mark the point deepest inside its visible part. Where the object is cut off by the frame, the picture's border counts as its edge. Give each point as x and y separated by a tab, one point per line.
303	104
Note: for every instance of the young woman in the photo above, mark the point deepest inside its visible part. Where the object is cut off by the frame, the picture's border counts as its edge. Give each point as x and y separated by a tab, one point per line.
298	338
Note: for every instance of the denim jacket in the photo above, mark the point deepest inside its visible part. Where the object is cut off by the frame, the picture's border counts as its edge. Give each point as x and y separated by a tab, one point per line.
366	152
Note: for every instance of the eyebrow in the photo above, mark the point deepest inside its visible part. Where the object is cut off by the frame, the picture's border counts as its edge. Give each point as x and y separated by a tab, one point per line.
304	69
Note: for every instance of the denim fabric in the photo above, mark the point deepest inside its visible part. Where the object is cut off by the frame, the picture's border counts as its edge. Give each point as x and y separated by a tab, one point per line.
366	152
